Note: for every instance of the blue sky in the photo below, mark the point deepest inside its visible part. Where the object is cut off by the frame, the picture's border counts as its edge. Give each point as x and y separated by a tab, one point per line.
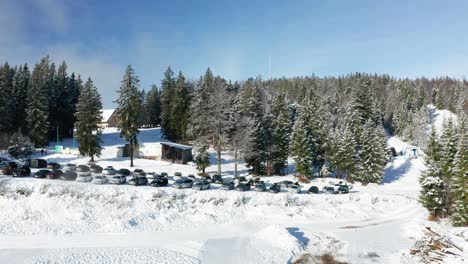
237	39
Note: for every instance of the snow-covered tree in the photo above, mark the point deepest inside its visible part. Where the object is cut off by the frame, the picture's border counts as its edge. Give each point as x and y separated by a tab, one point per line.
281	132
153	106
128	109
372	154
344	152
459	181
432	185
300	146
38	103
88	115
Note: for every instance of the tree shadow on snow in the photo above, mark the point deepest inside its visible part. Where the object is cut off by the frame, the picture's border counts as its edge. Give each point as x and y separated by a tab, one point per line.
393	173
295	232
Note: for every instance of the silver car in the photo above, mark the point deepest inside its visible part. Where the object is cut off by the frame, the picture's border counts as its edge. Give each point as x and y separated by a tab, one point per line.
100	179
118	179
295	188
183	183
109	170
69	167
84	177
201	185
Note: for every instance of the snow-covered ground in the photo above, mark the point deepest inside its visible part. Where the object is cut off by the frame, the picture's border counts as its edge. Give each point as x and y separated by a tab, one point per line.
51	221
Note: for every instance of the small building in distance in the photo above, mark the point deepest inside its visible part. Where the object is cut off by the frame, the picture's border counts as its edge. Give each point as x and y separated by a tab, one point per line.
109	118
176	153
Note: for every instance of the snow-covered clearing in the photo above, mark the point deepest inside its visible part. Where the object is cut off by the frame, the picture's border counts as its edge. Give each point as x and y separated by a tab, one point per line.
52	221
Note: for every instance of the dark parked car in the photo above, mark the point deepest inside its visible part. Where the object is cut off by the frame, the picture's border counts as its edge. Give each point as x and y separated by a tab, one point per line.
36	163
217	178
96	169
227	186
41	174
125	172
183	183
313	189
8	167
53	166
329	190
138	180
69	175
159	182
139	172
207	178
55	174
190	176
201	185
343	189
164	174
243	187
260	187
275	188
84	168
286	184
22	172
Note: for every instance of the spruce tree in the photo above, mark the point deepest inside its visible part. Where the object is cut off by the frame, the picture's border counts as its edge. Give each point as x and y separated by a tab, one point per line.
281	123
88	115
21	89
7	98
167	97
459	181
199	123
129	109
153	105
300	146
448	142
180	107
372	155
432	185
38	103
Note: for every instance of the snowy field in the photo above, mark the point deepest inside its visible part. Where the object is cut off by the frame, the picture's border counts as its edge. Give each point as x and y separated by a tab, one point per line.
53	221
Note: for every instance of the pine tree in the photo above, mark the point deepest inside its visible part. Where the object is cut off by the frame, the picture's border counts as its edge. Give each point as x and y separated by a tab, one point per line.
281	123
372	155
251	107
180	107
199	122
88	115
459	181
432	185
167	97
6	105
129	109
448	141
344	152
21	89
38	103
300	146
153	104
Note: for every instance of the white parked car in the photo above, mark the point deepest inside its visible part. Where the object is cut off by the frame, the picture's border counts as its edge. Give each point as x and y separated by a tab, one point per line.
100	179
84	177
109	170
118	179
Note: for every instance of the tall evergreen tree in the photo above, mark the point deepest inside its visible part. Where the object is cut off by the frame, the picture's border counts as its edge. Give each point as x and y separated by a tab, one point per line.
167	97
281	126
459	181
180	106
38	103
153	105
21	89
6	104
129	109
300	145
432	185
88	115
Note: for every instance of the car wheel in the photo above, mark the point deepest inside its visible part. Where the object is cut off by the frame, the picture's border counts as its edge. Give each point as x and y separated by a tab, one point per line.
180	187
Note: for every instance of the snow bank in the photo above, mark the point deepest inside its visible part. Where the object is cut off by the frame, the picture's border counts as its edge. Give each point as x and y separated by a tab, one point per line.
438	117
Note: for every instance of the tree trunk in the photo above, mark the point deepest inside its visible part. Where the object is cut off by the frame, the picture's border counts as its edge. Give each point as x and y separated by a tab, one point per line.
92	157
219	160
235	162
131	154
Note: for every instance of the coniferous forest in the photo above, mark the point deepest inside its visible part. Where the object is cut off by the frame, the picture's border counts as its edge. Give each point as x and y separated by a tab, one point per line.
325	124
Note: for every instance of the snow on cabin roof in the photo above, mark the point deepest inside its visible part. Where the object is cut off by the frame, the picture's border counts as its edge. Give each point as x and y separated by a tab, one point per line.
176	145
106	114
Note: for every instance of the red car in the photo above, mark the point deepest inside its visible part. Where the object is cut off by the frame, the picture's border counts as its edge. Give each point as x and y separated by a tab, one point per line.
55	174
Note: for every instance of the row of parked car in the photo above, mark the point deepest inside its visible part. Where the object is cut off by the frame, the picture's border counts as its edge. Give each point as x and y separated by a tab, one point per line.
98	175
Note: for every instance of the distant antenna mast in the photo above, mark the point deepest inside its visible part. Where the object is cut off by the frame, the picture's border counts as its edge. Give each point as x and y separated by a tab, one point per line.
269	67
